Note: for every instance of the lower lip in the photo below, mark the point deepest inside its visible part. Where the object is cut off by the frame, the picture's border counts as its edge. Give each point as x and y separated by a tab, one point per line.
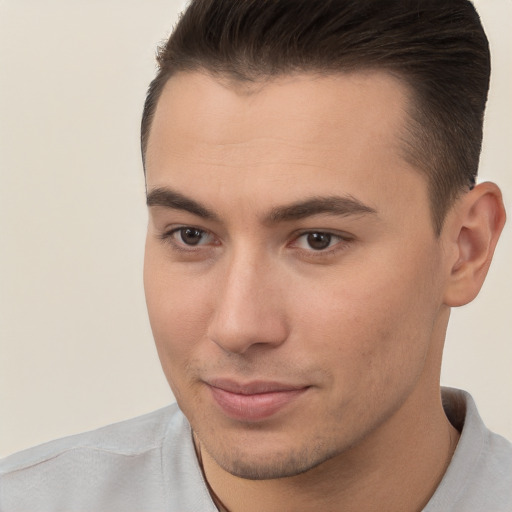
256	407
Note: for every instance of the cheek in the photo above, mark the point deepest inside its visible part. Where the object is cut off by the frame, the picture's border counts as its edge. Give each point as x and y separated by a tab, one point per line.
177	308
374	325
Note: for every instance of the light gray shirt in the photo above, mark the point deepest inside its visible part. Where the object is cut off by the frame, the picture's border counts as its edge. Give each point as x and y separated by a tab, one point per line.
149	464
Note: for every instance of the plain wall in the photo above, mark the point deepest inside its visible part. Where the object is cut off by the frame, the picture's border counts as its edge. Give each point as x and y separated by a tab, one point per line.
76	351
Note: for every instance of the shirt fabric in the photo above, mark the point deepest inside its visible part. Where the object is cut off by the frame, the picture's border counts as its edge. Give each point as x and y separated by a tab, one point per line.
149	464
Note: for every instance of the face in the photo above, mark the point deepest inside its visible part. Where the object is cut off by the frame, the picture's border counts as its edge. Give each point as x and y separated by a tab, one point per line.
292	274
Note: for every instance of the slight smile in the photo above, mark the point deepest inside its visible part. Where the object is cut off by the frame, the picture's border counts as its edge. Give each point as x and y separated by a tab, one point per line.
254	401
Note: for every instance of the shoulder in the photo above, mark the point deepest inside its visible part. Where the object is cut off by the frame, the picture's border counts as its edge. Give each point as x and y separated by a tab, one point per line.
117	467
479	476
494	471
486	481
128	437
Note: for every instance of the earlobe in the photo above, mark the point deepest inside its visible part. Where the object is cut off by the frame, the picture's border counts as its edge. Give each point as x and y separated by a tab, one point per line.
476	226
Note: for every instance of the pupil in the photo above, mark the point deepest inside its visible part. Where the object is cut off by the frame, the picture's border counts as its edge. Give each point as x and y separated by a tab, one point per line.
319	241
191	236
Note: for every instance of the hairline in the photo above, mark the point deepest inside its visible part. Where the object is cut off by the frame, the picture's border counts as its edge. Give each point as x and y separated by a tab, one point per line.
408	137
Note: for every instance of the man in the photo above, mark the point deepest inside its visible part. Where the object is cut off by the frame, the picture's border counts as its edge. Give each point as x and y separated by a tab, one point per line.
313	216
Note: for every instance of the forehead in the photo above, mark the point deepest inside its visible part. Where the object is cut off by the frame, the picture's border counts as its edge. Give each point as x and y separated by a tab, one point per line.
309	108
296	132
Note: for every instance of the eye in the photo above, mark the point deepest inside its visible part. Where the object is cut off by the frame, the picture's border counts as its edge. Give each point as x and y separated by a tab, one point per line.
317	240
189	236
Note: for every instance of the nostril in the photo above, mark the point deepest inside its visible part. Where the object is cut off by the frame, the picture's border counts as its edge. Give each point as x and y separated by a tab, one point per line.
237	334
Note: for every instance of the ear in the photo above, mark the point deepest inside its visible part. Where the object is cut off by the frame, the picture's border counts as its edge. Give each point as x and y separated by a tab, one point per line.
474	226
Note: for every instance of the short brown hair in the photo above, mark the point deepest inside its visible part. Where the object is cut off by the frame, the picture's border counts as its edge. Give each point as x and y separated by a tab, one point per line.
437	47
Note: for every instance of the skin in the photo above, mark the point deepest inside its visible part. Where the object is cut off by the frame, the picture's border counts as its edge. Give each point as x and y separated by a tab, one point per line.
248	294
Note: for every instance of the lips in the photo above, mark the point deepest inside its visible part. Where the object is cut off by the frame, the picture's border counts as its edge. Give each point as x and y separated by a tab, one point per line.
253	401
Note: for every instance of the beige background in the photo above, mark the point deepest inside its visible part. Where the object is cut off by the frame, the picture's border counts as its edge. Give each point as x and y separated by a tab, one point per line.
76	350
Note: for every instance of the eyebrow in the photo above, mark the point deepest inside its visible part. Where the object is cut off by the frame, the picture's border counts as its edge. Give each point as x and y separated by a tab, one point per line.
330	205
171	199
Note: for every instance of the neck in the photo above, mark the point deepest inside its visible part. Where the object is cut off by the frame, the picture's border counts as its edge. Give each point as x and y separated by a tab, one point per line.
397	468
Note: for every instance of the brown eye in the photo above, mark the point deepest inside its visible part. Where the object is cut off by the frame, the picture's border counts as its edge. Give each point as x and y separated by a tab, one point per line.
191	236
319	241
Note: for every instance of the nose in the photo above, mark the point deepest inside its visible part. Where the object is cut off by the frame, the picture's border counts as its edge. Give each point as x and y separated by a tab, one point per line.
249	308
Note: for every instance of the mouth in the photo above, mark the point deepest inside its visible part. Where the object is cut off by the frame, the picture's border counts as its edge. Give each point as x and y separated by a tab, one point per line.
253	401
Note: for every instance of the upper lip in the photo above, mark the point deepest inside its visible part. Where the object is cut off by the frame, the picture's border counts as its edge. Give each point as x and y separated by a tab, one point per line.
252	387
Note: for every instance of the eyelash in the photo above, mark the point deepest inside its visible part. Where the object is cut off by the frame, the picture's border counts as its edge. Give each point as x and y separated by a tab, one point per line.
168	238
342	241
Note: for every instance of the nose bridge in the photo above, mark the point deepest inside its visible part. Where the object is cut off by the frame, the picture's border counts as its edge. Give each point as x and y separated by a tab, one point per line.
249	306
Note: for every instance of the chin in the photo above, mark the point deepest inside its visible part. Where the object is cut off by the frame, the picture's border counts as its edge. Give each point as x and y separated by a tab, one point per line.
269	464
